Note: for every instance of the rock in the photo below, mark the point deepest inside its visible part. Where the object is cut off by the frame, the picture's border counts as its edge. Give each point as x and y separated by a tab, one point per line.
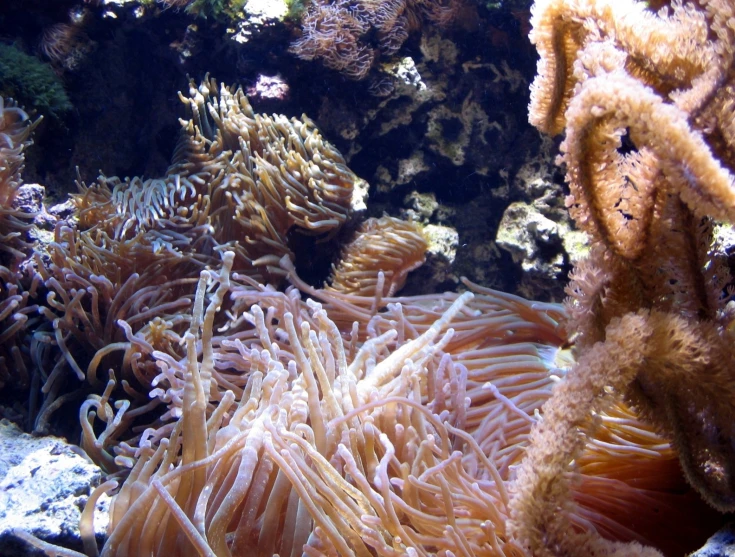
29	198
44	485
421	206
437	271
535	242
722	544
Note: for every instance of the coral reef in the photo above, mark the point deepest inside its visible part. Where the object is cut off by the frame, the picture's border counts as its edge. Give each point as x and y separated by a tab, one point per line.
234	407
125	110
301	416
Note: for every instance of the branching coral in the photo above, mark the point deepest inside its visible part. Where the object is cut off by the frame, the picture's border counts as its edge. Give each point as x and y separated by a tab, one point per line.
645	101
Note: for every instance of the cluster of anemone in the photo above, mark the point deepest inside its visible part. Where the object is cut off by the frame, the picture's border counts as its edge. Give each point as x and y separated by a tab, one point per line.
134	248
339	32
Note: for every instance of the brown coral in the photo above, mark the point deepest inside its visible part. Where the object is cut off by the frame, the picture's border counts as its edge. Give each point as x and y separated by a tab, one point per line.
648	312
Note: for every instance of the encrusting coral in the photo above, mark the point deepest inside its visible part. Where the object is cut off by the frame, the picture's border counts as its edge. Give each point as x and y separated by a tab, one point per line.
646	102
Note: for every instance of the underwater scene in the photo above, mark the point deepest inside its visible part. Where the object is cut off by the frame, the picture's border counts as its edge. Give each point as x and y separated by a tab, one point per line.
332	278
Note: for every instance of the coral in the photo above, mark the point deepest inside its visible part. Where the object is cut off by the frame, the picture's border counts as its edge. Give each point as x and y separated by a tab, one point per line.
32	82
645	100
241	176
15	309
401	437
388	246
240	418
66	45
238	180
337	32
14	315
284	452
15	131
